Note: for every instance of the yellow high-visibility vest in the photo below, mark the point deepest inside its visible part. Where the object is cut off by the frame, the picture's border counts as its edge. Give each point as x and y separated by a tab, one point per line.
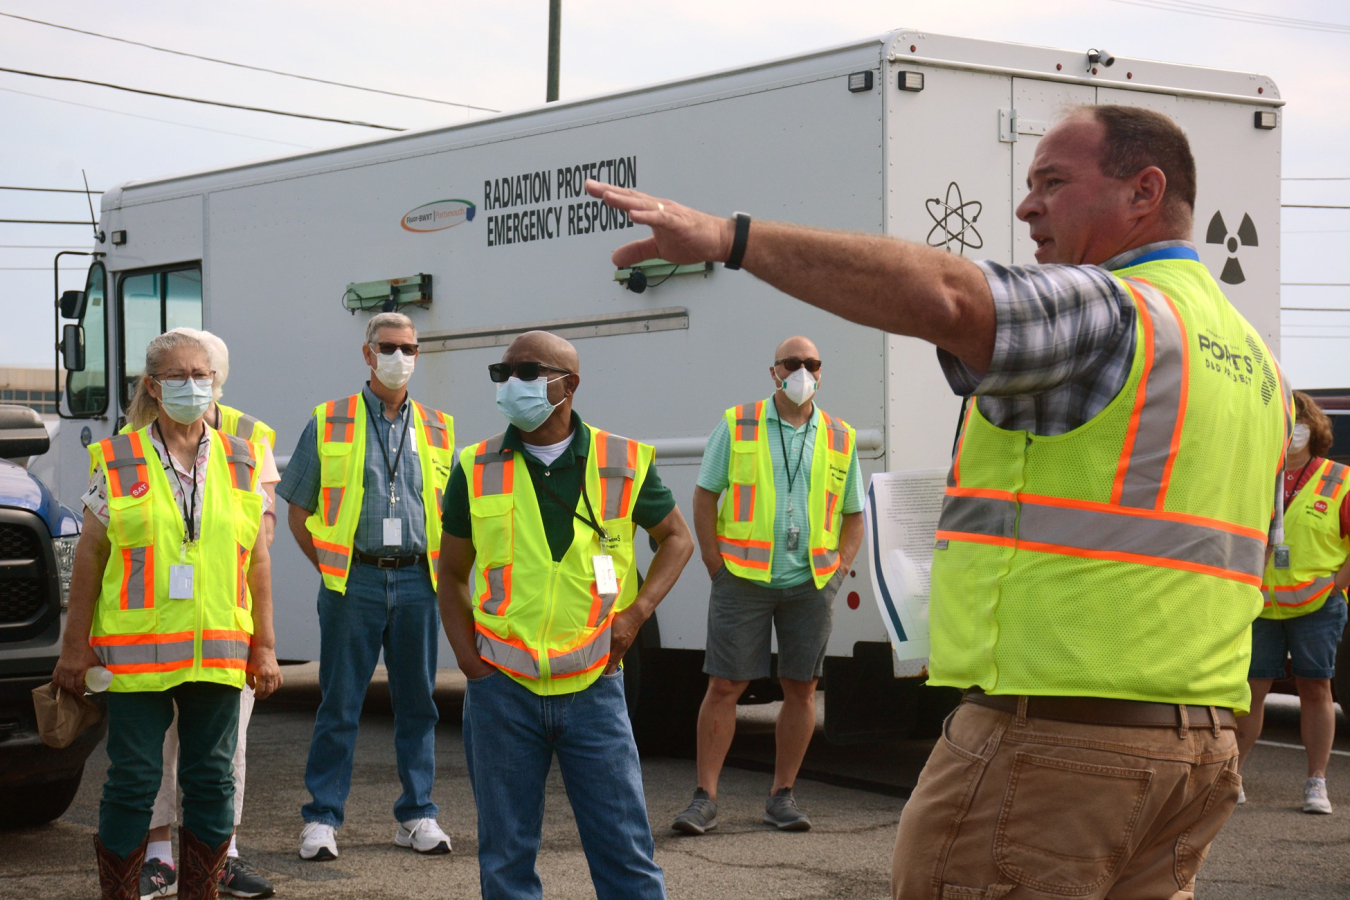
241	424
546	624
745	518
148	641
342	477
1312	530
1122	559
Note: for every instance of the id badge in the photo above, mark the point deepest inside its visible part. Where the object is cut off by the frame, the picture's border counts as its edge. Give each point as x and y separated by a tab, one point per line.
606	581
180	582
393	532
792	537
1281	556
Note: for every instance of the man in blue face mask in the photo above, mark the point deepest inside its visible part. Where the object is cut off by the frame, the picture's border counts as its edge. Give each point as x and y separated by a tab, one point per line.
540	599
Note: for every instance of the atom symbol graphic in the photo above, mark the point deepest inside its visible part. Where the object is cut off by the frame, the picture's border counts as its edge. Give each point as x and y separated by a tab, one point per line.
961	215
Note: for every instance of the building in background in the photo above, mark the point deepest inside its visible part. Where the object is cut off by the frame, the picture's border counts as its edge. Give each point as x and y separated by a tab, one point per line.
35	387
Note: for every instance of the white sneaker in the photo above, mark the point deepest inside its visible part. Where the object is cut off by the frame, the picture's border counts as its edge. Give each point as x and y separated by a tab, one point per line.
317	842
1315	798
422	835
1242	796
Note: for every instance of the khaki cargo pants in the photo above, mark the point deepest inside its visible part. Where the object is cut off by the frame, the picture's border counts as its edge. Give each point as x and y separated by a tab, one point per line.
1033	809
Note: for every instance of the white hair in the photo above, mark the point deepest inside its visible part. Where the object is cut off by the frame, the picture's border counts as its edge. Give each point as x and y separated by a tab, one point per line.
217	354
387	320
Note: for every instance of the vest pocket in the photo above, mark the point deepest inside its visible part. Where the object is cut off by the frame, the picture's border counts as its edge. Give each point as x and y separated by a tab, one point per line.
492	519
744	462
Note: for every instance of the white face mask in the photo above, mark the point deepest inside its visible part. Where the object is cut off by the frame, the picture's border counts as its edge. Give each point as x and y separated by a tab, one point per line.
799	387
393	369
1300	438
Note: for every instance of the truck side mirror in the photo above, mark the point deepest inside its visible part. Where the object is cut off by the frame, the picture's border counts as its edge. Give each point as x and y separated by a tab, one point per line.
72	343
72	304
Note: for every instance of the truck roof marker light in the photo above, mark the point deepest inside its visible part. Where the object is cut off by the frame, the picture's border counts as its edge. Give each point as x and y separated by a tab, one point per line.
1265	119
119	238
860	81
1129	74
1059	67
910	81
913	48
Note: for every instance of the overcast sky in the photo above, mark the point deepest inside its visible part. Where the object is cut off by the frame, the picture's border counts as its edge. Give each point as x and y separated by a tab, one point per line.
493	55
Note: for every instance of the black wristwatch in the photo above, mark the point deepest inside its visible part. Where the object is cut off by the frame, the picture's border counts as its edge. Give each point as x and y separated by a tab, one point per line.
738	242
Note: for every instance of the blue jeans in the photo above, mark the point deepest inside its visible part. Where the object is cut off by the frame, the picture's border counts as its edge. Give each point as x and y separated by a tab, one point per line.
510	736
393	609
1310	640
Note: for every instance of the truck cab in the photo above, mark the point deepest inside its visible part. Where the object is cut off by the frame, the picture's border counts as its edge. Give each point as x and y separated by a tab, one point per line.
37	553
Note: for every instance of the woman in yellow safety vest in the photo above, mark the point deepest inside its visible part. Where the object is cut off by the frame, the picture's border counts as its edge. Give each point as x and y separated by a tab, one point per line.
171	593
1304	590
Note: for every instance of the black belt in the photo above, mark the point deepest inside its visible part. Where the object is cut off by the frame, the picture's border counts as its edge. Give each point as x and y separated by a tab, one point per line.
1103	711
389	562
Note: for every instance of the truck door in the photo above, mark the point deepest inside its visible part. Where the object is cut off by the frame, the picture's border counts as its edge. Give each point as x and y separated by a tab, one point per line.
151	302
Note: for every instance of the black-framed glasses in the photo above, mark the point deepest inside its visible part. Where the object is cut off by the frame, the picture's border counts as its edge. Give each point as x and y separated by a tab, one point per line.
385	348
525	371
179	379
792	364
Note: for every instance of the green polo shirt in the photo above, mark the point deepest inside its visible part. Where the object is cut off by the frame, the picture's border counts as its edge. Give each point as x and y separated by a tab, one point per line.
790	567
565	476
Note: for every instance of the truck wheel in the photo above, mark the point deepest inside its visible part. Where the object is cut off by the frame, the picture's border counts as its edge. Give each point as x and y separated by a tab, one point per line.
663	689
40	803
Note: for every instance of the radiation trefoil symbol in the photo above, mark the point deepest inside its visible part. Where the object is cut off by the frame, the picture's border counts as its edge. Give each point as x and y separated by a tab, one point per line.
954	221
1245	237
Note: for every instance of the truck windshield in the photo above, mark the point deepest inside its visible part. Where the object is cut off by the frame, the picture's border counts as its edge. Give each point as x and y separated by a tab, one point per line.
87	389
152	303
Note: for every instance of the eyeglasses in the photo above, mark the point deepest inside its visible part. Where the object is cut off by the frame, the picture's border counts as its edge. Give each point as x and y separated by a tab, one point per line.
525	371
385	348
792	364
180	379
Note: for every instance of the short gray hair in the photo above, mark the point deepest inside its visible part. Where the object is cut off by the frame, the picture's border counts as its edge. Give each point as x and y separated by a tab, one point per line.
144	408
217	354
387	320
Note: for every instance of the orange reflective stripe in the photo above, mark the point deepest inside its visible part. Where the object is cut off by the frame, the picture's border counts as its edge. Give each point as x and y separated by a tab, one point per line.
498	594
331	497
242	575
601	604
748	553
333	558
124	459
128	654
340	427
225	649
824	562
1333	476
616	460
831	499
836	434
954	476
1296	595
508	654
587	657
493	468
138	578
433	427
747	423
742	502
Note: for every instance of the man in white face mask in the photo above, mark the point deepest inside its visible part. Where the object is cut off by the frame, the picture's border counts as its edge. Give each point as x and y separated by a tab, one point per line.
364	488
777	551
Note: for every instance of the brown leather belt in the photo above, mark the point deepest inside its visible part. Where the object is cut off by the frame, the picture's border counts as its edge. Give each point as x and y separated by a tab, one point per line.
388	562
1101	711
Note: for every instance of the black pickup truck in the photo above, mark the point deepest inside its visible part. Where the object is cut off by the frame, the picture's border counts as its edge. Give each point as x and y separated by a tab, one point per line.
37	552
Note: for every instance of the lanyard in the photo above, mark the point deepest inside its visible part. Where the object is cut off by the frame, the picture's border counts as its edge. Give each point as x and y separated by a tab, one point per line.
403	441
593	522
1288	497
189	513
801	452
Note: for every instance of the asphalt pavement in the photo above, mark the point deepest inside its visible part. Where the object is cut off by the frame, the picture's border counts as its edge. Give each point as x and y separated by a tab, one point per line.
1268	851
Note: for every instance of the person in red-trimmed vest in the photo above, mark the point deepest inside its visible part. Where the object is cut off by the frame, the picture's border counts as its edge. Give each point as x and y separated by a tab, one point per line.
1304	590
541	598
777	551
364	487
171	592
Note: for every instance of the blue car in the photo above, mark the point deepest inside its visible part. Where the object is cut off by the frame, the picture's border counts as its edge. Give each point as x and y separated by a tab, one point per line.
37	553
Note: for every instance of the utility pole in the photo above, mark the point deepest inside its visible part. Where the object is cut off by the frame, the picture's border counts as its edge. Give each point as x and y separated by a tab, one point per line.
554	42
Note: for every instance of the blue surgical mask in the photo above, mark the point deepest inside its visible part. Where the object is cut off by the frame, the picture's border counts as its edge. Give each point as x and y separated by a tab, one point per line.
525	403
188	402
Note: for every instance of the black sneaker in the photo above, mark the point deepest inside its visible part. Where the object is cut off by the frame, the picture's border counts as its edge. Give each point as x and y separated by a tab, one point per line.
158	879
239	879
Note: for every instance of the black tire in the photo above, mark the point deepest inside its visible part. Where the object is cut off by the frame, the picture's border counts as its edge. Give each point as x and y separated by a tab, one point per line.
38	804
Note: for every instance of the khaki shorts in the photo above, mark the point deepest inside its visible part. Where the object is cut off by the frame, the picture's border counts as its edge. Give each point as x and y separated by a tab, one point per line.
742	615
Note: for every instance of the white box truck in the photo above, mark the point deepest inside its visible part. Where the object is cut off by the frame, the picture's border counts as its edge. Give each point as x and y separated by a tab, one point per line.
480	231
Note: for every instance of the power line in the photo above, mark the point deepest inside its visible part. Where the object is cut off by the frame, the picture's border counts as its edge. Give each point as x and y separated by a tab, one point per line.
238	65
38	269
1315	284
1328	178
261	109
1317	308
1238	15
41	222
5	187
37	247
118	112
1312	206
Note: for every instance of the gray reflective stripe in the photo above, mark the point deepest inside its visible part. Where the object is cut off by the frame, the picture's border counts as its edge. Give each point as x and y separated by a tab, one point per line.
333	506
584	657
224	649
617	471
125	461
1301	595
606	604
496	591
331	558
745	506
838	437
144	654
135	578
340	420
493	463
1083	529
749	554
240	460
614	472
745	416
507	656
122	458
1162	402
824	559
246	425
1334	477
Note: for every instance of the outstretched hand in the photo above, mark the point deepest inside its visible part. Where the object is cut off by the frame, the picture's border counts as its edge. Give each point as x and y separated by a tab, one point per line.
679	234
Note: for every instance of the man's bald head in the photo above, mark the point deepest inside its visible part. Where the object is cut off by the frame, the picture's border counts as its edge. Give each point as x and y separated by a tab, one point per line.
544	347
798	346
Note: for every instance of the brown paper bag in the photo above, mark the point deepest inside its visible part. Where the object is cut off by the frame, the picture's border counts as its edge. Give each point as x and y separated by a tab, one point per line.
61	715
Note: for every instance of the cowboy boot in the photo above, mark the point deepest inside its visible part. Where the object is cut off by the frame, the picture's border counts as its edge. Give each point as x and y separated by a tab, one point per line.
118	878
199	868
